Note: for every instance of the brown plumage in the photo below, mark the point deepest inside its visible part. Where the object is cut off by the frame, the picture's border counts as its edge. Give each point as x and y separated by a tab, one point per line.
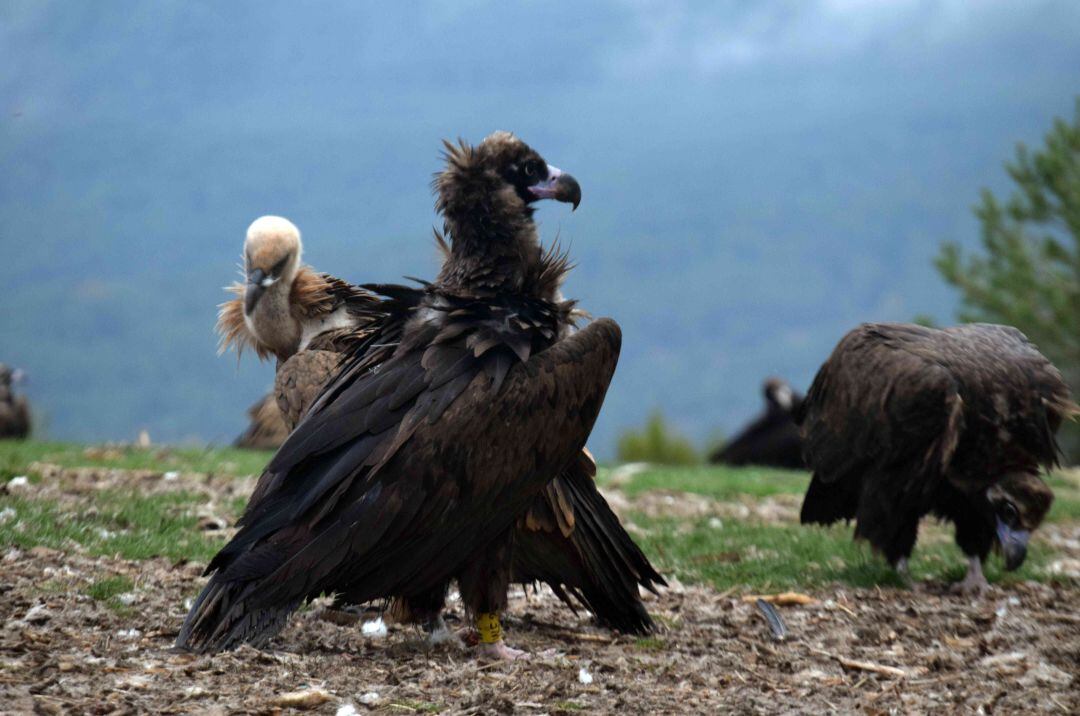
415	463
569	538
287	310
14	409
266	428
773	437
903	421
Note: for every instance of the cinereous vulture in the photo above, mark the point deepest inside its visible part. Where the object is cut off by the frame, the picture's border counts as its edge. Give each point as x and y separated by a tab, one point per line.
14	409
904	421
772	439
414	465
569	537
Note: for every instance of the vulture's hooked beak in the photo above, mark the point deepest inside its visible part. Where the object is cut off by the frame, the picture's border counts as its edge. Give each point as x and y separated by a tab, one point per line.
257	284
559	186
1013	545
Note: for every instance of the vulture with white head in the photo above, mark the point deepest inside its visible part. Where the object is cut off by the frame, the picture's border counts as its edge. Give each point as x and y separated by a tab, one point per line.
904	421
300	317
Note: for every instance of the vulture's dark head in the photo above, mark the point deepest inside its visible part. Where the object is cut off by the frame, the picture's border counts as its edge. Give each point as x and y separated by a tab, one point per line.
1017	504
500	178
271	254
779	395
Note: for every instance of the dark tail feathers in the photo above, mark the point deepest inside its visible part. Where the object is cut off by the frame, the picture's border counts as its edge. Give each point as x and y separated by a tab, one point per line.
598	565
221	619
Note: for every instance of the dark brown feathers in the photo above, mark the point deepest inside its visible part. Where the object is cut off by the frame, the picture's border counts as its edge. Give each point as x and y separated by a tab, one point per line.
415	463
904	420
14	409
773	437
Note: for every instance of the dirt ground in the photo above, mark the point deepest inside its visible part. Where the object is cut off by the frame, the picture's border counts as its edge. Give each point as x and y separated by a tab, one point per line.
1016	650
1011	652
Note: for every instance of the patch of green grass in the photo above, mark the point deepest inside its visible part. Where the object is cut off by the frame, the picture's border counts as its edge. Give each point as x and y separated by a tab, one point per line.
16	456
108	590
1066	486
109	587
754	557
570	706
649	643
721	483
121	522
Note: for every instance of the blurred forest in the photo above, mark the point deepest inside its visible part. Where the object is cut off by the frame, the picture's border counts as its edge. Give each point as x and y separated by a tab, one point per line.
758	177
1027	273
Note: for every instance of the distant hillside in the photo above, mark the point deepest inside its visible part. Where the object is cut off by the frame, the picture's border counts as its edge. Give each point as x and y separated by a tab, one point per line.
737	218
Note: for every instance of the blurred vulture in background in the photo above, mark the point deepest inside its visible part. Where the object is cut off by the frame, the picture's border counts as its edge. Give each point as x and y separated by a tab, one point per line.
773	438
266	428
14	409
449	444
904	421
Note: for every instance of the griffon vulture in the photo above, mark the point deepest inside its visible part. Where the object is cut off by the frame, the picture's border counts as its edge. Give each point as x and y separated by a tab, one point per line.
773	438
414	465
14	409
904	421
286	310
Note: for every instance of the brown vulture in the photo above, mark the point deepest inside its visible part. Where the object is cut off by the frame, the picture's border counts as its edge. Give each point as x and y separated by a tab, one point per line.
286	310
773	438
14	409
904	421
266	428
439	434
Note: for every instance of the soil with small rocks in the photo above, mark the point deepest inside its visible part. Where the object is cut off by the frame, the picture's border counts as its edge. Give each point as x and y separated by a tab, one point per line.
875	651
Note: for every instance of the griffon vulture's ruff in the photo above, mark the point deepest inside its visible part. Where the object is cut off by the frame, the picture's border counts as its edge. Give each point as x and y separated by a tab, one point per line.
413	466
903	421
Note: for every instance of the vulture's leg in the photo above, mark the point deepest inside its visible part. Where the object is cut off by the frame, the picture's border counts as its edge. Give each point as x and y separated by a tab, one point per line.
483	584
425	609
974	538
899	549
974	582
428	608
903	570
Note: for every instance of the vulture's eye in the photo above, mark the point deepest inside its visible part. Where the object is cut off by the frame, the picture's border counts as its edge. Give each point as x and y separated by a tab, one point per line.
1009	515
531	169
279	267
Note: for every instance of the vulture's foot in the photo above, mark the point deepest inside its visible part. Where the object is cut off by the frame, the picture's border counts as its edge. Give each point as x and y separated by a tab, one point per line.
904	572
438	633
499	651
974	583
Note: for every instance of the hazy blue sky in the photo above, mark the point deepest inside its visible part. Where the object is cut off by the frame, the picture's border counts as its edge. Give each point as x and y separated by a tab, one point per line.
758	177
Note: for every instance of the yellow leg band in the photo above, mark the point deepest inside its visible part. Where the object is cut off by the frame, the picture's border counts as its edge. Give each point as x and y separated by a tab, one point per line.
488	626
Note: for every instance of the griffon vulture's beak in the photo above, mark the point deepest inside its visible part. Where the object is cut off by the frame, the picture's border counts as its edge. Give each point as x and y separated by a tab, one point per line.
257	284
